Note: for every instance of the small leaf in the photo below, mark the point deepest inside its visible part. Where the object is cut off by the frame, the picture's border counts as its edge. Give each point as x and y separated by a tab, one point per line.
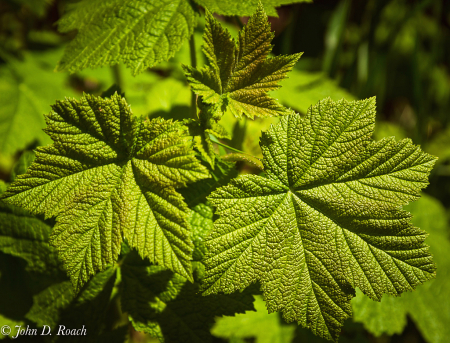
325	219
110	175
240	75
139	33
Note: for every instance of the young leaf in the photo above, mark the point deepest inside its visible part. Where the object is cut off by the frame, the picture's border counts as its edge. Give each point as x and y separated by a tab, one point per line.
325	219
244	8
240	75
110	175
139	33
170	308
428	306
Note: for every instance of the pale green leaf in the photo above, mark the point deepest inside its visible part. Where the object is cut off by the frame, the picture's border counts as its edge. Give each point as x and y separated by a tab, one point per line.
303	89
27	88
428	305
244	8
264	327
240	75
139	33
111	175
170	308
326	218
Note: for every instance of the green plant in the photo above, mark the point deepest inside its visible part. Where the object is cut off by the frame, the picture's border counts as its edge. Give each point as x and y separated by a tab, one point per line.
123	205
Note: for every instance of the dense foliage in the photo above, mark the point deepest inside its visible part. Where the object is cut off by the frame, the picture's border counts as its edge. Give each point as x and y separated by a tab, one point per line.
126	223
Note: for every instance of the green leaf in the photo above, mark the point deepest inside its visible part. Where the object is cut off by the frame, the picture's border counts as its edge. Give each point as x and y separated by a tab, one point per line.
170	308
428	306
57	305
265	327
27	88
22	235
244	8
201	221
325	219
303	89
110	176
240	75
139	33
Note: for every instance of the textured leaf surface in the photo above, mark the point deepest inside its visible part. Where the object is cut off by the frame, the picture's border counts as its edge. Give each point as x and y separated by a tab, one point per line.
139	33
111	175
169	307
201	221
239	76
428	306
244	8
265	327
27	88
326	218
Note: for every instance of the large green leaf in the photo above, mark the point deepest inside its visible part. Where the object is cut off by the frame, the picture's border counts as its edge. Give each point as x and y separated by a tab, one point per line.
140	33
239	76
244	8
110	176
428	306
326	218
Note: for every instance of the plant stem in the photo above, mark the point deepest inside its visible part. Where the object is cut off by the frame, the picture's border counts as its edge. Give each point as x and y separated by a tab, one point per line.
117	75
239	155
194	65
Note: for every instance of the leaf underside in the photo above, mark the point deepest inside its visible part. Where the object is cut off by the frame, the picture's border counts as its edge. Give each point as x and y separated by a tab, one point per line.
325	219
110	176
139	33
240	74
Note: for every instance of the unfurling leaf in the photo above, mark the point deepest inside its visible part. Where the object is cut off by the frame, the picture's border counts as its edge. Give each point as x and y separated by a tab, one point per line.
110	176
139	33
326	218
240	75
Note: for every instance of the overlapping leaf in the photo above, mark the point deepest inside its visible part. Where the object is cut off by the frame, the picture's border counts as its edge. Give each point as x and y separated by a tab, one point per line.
170	308
109	176
139	33
240	75
324	220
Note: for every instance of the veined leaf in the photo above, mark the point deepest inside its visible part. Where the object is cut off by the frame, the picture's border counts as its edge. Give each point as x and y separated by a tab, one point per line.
325	219
110	175
201	221
140	33
240	75
244	8
170	308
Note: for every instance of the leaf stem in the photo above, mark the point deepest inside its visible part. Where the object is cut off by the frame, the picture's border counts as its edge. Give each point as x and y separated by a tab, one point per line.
238	155
193	56
117	75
